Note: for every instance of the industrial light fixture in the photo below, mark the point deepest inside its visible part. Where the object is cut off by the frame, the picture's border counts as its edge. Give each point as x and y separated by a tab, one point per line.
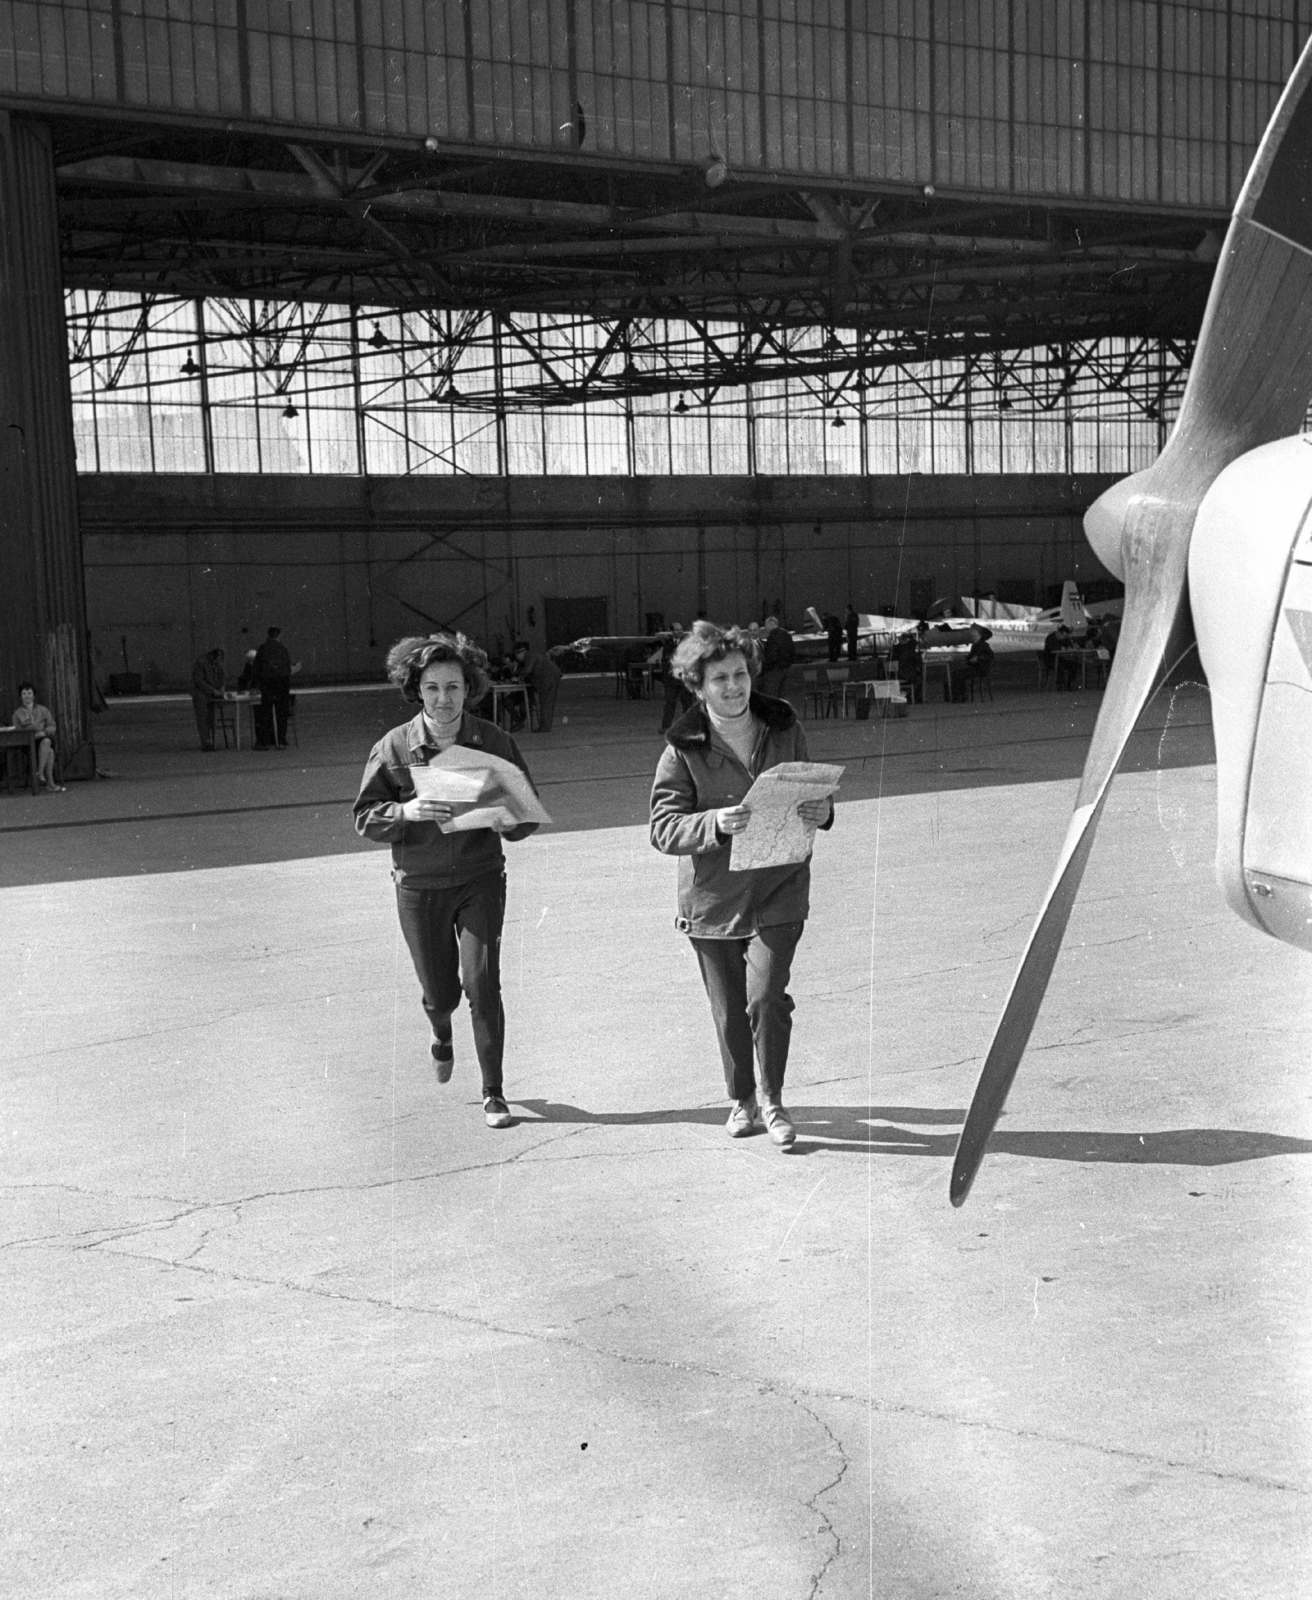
1004	403
189	367
838	422
290	411
377	338
682	406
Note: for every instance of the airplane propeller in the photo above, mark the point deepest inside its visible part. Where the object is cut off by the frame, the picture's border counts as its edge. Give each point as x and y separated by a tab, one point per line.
1250	384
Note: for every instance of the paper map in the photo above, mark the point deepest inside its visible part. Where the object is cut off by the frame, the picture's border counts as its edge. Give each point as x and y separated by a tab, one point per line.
487	789
776	835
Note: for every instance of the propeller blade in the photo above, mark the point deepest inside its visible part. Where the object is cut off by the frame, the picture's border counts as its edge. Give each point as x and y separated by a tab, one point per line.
1249	384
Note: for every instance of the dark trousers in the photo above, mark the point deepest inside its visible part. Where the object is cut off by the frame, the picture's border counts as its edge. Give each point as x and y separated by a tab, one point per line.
678	699
546	699
747	984
276	696
204	709
454	936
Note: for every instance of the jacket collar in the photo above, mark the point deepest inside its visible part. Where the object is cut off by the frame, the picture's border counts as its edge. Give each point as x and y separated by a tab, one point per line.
416	733
692	731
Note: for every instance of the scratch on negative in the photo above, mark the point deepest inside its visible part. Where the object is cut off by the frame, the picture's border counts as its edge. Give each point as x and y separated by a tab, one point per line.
798	1217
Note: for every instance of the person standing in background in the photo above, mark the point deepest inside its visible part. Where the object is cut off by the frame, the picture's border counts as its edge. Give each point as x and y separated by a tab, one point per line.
833	635
543	676
852	627
208	679
273	674
777	656
677	698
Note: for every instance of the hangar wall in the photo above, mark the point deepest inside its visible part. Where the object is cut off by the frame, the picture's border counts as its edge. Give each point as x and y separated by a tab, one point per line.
176	564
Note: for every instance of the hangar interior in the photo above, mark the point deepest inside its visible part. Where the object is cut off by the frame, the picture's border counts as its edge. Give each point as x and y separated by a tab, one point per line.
836	260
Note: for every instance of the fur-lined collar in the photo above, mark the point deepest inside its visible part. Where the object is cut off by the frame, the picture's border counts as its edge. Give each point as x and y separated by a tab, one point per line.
693	729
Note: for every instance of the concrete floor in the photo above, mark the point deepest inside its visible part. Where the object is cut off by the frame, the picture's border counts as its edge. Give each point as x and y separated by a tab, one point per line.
285	1321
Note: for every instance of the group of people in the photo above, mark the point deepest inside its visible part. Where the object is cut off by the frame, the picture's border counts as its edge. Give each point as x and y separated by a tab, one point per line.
535	668
847	631
450	885
268	669
1061	645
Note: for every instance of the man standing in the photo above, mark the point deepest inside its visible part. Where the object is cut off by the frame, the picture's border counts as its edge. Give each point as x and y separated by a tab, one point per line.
852	626
207	684
273	673
543	676
776	657
833	635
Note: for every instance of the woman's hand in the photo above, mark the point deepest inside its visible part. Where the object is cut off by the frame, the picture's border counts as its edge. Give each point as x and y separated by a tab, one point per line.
420	810
732	819
815	813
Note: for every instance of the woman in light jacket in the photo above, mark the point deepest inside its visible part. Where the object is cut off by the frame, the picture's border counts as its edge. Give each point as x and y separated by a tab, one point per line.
31	714
744	926
450	887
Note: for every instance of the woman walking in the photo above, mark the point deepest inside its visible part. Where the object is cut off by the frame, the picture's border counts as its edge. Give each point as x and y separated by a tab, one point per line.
744	926
450	887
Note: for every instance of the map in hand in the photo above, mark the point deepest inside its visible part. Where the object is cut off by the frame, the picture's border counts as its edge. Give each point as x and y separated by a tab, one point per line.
776	835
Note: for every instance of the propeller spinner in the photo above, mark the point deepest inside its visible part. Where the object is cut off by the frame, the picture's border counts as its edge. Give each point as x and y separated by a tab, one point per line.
1249	385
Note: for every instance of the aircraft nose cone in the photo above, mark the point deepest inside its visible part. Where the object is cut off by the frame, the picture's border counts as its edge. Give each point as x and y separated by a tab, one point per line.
1105	519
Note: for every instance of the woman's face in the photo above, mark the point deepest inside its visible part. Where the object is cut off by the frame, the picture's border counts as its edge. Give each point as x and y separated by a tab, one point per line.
442	689
29	698
727	685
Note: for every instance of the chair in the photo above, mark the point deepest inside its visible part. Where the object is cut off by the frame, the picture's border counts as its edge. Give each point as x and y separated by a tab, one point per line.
981	678
223	719
816	687
857	685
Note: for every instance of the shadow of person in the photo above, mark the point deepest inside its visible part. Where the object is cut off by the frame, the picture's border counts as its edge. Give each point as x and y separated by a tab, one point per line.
882	1130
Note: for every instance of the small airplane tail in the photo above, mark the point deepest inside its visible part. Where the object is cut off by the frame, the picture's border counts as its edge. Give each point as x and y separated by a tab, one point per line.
1073	613
815	618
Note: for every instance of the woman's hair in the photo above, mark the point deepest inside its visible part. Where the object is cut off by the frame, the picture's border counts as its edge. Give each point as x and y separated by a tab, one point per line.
26	684
706	645
407	659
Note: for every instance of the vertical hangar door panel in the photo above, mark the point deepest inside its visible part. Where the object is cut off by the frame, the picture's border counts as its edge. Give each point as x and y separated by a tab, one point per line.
568	619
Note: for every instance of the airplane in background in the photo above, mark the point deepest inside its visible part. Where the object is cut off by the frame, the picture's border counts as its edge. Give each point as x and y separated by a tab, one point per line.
1010	628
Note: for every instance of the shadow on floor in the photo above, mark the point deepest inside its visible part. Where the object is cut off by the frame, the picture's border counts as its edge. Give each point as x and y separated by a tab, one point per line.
174	809
863	1130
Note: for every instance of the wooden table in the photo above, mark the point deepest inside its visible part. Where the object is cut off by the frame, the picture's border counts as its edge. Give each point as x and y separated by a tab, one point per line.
503	692
950	660
19	739
237	699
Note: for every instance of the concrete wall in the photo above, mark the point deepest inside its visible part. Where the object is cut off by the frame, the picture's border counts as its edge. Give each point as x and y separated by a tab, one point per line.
176	564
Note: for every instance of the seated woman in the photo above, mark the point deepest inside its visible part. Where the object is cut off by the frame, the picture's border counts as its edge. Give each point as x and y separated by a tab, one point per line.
744	926
38	718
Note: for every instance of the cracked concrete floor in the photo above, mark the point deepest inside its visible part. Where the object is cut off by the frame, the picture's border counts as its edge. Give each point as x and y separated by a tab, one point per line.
284	1321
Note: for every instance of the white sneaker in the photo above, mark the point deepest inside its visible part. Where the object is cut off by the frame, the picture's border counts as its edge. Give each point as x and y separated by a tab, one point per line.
742	1119
778	1124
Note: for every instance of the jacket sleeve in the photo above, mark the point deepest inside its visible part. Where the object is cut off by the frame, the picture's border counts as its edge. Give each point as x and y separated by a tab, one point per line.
677	827
523	830
799	748
377	808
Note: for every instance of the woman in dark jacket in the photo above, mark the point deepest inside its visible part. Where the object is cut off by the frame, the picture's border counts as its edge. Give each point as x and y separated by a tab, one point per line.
450	887
744	926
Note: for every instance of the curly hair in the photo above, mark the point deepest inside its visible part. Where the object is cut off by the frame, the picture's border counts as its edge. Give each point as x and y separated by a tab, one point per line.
706	645
407	659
